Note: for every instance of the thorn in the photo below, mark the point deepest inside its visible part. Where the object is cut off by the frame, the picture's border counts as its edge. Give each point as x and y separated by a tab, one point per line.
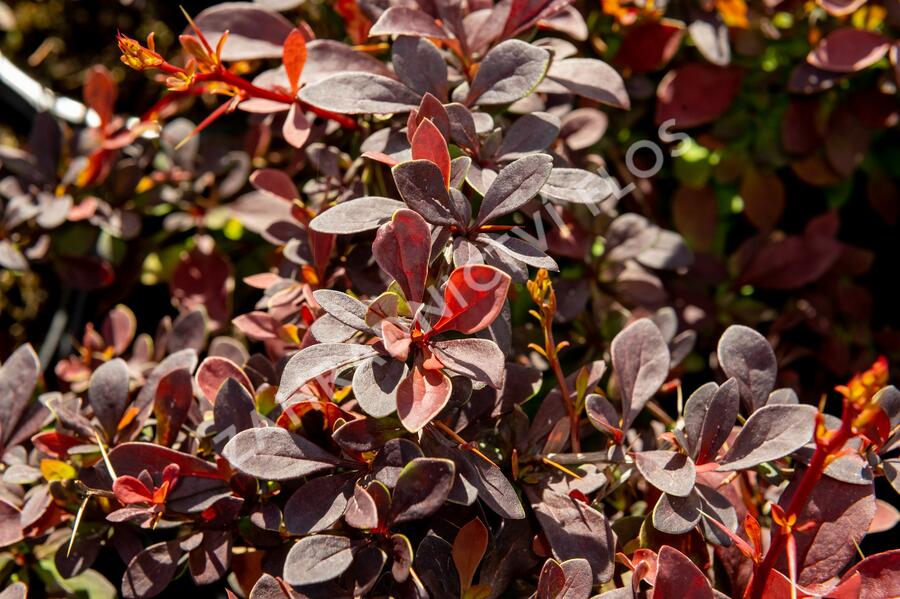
205	123
109	467
560	467
196	29
77	522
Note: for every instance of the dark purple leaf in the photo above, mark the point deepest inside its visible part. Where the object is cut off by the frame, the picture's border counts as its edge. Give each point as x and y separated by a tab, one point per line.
640	360
421	185
400	20
516	184
318	504
770	433
233	412
273	453
269	587
174	396
434	563
317	360
551	580
421	489
18	377
189	329
577	186
419	65
317	558
108	394
356	216
511	70
367	434
591	78
670	472
676	515
574	529
360	93
392	458
519	250
709	416
745	355
477	359
327	57
211	560
841	514
529	133
716	506
133	458
10	527
879	573
344	308
375	384
253	31
151	570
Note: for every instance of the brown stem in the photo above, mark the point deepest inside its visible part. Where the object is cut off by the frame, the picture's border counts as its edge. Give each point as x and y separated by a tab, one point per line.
550	346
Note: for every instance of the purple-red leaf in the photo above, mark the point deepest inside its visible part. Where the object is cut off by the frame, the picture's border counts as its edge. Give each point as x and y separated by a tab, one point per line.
468	549
849	50
677	576
428	144
473	297
174	395
421	396
214	371
402	249
696	94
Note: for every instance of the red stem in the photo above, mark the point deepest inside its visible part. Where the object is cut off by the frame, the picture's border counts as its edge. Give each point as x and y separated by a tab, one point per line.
225	76
824	448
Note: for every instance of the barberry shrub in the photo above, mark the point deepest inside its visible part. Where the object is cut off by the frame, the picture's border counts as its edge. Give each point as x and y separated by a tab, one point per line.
449	368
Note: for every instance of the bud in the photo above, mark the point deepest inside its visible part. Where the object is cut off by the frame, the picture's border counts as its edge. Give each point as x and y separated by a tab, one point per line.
863	387
137	56
198	52
542	293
